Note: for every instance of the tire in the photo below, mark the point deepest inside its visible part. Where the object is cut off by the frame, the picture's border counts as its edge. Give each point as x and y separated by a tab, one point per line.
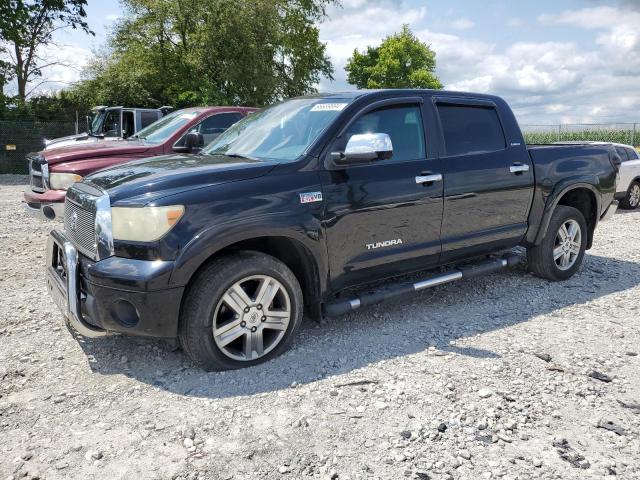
541	257
631	200
215	300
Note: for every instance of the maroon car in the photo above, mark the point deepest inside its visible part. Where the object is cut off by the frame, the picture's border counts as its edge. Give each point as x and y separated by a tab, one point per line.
51	172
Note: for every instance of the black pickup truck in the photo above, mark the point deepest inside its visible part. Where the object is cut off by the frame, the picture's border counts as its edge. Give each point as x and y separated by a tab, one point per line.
301	206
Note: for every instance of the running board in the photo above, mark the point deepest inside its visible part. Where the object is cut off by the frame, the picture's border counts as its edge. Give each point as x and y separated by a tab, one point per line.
371	297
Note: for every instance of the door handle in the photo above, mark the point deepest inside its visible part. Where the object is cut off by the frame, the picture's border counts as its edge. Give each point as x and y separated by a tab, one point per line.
518	168
433	177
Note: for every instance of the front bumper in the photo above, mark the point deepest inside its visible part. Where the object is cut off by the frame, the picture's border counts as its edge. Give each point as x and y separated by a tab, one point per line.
46	211
115	295
45	206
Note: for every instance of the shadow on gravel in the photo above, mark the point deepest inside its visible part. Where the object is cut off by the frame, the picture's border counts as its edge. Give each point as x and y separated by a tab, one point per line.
345	344
7	179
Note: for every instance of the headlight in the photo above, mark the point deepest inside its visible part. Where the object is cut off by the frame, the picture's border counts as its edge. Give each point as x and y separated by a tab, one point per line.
145	224
62	181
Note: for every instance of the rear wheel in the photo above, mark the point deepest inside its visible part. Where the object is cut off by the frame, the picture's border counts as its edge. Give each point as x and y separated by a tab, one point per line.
561	251
631	201
240	311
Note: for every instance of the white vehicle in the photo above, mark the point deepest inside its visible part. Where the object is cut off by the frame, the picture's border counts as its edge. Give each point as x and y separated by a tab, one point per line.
628	189
110	123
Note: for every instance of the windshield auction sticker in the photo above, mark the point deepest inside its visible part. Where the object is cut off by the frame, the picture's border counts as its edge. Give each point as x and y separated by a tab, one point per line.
328	107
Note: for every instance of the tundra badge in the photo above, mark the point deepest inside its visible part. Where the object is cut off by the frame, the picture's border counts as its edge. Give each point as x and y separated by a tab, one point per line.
386	243
310	197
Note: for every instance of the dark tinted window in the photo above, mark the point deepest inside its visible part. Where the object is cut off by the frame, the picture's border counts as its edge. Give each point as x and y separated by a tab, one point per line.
128	127
469	129
622	152
402	124
218	123
633	154
211	127
147	118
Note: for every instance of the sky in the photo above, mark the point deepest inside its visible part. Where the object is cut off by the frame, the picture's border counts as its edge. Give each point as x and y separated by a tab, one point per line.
569	61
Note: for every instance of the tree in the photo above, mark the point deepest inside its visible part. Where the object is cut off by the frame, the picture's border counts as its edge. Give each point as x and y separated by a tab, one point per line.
189	52
26	26
401	61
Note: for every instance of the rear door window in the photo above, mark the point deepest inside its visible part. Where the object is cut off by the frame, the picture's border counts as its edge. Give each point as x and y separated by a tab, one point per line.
470	129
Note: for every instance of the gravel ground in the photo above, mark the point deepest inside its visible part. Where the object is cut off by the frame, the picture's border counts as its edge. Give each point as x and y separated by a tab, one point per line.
508	376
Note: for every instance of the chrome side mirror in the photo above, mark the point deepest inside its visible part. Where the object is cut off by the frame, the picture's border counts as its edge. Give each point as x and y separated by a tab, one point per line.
366	147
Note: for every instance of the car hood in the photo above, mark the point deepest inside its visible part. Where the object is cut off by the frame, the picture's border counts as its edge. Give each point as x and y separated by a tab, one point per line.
145	181
51	143
92	150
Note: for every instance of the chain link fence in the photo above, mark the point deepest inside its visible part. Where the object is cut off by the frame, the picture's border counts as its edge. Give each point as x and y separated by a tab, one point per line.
626	133
17	139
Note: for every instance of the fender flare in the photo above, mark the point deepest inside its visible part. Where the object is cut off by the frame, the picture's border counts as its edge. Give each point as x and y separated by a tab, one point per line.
207	243
554	198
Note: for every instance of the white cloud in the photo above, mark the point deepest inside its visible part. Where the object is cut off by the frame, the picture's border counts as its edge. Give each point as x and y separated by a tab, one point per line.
69	59
545	82
597	18
358	24
462	24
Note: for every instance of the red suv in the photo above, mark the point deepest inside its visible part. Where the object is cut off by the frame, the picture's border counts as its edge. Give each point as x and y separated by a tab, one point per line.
51	172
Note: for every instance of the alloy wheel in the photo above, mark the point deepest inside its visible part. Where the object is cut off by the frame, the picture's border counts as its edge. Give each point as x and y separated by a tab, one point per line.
251	318
634	195
567	244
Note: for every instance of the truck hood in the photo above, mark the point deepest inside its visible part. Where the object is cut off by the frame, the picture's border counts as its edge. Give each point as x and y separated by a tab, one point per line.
93	150
144	181
51	143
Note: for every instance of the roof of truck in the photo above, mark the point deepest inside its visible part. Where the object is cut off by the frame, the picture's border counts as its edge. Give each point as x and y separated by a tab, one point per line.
352	94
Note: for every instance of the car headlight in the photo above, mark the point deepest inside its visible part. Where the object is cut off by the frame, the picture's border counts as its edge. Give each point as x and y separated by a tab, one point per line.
145	224
62	181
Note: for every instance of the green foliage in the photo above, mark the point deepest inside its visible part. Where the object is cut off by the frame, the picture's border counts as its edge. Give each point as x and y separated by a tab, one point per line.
614	135
401	61
188	52
28	25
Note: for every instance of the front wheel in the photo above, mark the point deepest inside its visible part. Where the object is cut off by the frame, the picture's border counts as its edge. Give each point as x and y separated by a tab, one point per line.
631	201
241	310
561	251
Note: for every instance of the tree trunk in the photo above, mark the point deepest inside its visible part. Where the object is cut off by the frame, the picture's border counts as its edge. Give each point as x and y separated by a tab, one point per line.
21	75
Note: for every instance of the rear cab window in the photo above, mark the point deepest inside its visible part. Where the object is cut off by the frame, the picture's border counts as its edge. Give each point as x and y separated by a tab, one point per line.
470	129
622	153
632	153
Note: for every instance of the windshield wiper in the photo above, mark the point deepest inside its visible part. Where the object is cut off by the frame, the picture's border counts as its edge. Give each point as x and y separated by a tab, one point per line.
236	155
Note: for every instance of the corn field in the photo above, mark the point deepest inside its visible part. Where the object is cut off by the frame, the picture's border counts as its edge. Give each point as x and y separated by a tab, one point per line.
626	133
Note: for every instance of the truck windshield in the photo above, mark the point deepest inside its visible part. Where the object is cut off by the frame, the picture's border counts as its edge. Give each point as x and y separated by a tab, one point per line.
161	130
279	133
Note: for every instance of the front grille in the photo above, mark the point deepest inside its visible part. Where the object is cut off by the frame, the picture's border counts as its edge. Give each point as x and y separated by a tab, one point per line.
80	226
